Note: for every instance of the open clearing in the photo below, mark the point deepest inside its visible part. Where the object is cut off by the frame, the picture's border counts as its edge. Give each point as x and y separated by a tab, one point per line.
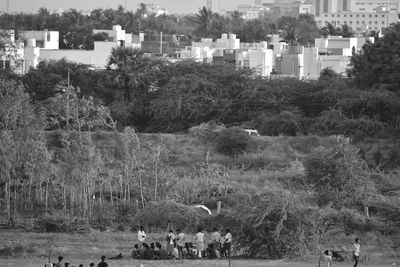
86	248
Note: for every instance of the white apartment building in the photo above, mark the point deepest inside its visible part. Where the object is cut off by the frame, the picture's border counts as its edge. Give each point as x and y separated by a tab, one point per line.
47	48
44	39
359	22
391	6
333	52
227	41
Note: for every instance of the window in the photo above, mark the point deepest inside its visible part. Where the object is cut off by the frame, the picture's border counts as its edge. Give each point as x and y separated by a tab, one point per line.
333	15
326	15
376	16
351	16
345	15
357	22
338	16
48	36
370	16
363	16
383	16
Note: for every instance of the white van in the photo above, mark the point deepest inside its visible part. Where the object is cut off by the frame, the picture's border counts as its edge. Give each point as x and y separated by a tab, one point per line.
251	132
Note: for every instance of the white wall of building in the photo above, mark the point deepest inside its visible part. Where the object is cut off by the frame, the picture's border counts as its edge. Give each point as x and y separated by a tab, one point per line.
78	56
261	60
228	42
47	39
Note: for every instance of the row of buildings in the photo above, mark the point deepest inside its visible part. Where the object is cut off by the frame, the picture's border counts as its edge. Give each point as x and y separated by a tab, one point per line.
273	57
361	15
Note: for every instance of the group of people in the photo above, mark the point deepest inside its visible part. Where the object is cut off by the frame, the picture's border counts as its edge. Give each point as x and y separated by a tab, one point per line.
178	248
61	263
328	255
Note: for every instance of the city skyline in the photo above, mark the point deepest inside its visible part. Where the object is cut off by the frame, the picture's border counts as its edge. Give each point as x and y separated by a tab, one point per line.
173	6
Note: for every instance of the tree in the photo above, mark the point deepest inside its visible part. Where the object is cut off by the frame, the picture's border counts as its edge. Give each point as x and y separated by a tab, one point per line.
184	102
378	64
203	19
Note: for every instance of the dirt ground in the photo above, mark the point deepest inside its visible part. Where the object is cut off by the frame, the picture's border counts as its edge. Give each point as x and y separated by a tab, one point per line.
84	249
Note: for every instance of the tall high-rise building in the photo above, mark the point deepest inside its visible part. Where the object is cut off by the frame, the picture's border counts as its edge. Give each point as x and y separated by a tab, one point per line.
325	6
209	4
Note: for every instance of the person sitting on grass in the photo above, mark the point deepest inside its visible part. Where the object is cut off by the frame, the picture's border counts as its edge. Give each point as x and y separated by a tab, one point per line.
102	263
135	252
162	253
148	253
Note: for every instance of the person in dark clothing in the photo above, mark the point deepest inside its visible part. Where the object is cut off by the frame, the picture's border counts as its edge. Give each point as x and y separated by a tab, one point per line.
91	264
103	263
162	253
136	252
148	253
59	263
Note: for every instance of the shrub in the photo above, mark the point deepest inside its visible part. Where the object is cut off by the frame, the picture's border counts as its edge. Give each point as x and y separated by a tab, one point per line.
159	216
284	123
232	141
57	222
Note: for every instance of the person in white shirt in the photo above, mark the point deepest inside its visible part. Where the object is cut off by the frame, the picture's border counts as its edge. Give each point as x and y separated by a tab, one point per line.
170	243
226	249
199	238
141	235
356	251
180	242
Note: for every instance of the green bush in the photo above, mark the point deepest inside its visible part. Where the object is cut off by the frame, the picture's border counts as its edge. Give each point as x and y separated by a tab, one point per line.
232	141
159	216
284	123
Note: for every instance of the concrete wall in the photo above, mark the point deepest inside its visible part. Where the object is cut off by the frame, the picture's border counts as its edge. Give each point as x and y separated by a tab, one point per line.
261	61
79	56
312	66
338	63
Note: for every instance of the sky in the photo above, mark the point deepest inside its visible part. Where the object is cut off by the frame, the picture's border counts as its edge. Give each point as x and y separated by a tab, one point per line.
173	6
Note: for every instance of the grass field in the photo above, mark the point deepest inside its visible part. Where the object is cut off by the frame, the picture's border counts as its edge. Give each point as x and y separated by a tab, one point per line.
84	249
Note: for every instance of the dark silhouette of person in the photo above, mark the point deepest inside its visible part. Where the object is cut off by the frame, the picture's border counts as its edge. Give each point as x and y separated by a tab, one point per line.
118	257
103	263
91	264
148	253
59	263
66	264
135	252
162	253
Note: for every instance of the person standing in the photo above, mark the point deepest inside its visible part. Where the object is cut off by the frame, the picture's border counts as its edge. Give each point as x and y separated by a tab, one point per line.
103	263
227	243
59	263
216	241
170	243
141	235
199	238
180	243
356	251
